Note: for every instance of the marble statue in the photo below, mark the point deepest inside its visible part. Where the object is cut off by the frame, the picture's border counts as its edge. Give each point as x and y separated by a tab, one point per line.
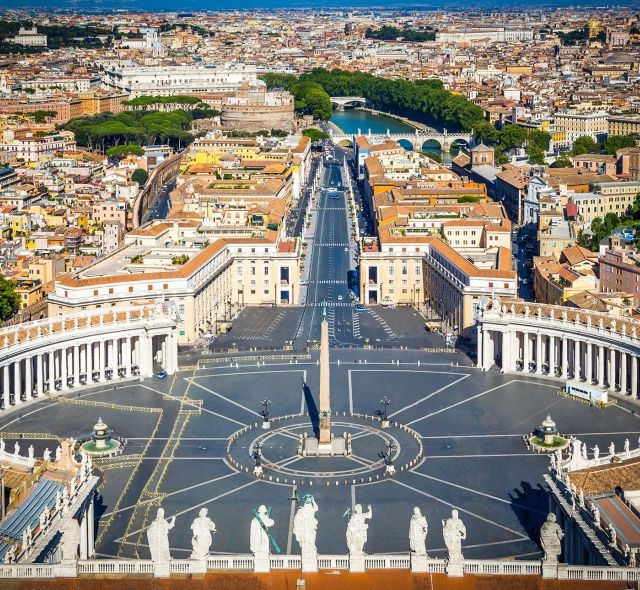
551	539
633	558
158	537
454	532
202	527
10	555
30	452
596	452
613	536
259	540
612	449
418	529
585	454
58	453
70	540
305	526
2	444
596	515
46	455
581	498
42	521
16	449
357	530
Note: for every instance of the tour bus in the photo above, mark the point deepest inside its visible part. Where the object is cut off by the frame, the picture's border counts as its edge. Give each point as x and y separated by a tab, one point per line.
587	392
332	193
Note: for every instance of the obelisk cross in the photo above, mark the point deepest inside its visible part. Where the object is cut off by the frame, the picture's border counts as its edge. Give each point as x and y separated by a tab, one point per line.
325	385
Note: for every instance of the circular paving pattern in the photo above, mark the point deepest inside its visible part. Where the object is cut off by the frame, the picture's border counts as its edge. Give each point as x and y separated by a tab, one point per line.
282	461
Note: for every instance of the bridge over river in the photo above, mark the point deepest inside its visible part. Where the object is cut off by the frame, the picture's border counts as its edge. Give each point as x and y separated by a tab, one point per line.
416	140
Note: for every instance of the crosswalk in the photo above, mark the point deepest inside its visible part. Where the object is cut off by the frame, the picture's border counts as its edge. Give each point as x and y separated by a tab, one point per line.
330	304
255	332
355	323
332	245
383	324
329	282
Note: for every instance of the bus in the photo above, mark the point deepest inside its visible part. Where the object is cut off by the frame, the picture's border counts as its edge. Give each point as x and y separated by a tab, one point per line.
332	193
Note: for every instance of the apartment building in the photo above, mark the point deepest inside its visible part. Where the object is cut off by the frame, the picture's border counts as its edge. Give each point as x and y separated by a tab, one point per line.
576	124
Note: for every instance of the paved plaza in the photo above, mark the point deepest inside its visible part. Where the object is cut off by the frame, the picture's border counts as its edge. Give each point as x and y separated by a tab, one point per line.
470	423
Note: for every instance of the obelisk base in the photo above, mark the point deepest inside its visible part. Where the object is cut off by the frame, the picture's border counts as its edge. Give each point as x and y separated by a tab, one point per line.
312	447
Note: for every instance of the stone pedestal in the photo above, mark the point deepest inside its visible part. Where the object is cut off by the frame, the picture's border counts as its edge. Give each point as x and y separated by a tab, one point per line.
384	424
549	570
310	563
455	569
199	566
390	470
419	563
356	563
266	424
257	471
261	563
68	568
161	569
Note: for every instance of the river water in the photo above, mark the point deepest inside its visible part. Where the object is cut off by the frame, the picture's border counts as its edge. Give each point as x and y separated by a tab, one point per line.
352	120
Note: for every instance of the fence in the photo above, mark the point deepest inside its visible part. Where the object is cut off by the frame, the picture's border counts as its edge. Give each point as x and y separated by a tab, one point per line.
245	563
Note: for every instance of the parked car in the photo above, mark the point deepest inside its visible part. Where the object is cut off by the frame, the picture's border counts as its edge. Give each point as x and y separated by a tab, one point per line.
161	374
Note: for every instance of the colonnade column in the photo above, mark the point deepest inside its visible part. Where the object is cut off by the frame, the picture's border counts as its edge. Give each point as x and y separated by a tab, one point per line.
538	353
564	357
76	365
506	350
601	366
17	384
612	369
589	375
480	359
6	385
552	355
126	361
100	358
51	370
39	374
576	360
28	382
64	359
84	553
525	351
634	376
623	372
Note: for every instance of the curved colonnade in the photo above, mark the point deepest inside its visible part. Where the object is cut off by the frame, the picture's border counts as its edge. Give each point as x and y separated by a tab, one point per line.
592	347
57	354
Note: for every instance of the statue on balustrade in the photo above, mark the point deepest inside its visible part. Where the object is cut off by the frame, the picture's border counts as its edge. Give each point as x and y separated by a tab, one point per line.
551	539
158	537
259	533
202	528
418	529
357	530
454	532
305	526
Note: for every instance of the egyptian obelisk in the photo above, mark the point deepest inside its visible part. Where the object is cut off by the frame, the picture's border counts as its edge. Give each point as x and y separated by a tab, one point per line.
325	386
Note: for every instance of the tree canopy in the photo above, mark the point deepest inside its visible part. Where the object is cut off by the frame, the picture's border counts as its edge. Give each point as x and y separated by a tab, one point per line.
9	299
315	134
122	151
614	143
390	33
140	176
584	145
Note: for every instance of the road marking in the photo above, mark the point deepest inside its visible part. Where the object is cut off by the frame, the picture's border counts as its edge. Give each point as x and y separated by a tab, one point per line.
196	506
423	493
222	397
430	395
464	401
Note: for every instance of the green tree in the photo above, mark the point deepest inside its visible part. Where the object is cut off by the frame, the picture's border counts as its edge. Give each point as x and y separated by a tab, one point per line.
9	299
538	139
486	133
122	151
562	161
315	134
635	207
617	142
584	145
512	136
44	116
140	176
536	155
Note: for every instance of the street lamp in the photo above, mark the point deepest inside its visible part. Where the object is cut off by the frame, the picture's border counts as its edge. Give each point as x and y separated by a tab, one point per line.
382	414
266	402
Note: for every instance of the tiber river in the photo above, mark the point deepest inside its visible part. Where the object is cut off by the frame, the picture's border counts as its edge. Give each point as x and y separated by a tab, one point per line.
350	120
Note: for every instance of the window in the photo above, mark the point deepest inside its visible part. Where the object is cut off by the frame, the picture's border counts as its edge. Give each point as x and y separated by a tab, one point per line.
404	269
391	267
95	292
181	309
266	291
130	289
239	271
149	287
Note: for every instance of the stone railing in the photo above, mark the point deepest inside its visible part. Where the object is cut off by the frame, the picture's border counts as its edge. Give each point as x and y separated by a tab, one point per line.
562	318
245	563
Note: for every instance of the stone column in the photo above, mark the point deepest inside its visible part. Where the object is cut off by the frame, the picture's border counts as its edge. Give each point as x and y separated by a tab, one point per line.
84	553
601	366
28	383
76	365
552	355
126	356
623	372
39	374
480	348
487	353
91	543
6	385
564	364
101	358
589	375
634	375
63	367
576	360
525	352
538	353
506	350
51	370
612	369
17	384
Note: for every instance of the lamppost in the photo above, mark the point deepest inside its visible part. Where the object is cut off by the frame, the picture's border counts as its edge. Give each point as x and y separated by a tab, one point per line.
257	458
382	414
266	402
